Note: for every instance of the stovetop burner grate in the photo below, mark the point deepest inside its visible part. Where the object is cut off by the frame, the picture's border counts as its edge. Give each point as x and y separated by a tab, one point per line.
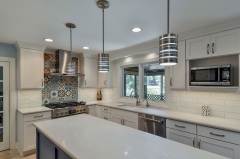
64	104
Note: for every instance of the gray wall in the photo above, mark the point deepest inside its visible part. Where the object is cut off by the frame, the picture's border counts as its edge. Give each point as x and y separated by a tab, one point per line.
8	50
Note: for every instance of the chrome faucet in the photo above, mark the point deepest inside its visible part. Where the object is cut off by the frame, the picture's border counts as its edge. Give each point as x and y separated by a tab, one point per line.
147	104
137	96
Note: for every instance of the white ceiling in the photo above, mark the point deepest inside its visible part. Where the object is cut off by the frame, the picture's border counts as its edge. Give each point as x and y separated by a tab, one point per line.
33	20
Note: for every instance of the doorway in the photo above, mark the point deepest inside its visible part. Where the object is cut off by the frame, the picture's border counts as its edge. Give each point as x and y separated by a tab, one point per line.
4	105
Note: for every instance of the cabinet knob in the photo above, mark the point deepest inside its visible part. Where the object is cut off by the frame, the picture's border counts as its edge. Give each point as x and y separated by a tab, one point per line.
199	143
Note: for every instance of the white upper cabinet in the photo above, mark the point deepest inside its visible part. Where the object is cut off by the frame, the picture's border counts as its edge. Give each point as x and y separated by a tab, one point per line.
90	69
218	44
198	47
227	42
105	80
30	68
178	72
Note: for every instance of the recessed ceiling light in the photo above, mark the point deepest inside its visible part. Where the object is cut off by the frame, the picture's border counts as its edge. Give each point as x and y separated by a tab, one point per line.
136	30
85	47
126	56
48	40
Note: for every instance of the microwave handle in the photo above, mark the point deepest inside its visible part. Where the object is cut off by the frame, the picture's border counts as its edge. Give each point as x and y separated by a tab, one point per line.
219	74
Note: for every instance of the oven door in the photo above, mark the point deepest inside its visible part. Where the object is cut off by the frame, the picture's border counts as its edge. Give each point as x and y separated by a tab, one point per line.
206	75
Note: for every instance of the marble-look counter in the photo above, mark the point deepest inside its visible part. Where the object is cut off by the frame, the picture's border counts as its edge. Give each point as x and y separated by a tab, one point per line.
84	136
216	122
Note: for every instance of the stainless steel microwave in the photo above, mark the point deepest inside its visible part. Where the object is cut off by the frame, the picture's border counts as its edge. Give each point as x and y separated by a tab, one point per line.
220	75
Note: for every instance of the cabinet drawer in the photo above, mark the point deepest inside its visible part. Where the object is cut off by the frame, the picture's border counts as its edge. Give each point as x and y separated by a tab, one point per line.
222	135
37	116
106	109
190	128
123	113
106	116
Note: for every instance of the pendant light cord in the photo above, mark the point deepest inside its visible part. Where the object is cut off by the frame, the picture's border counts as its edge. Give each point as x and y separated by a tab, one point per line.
168	16
103	7
71	40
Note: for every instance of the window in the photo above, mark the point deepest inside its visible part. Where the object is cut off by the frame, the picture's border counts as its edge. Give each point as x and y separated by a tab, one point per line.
154	82
131	81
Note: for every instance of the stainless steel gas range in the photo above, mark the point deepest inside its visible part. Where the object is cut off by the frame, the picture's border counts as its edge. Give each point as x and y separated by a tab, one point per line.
62	109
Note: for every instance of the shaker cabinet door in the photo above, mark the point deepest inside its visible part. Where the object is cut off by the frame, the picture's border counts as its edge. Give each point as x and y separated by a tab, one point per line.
178	72
91	72
30	69
219	147
198	47
224	43
181	137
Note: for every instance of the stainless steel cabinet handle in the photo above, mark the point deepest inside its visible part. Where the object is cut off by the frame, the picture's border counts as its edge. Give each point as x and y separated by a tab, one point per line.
207	48
85	82
151	119
180	126
38	116
217	134
199	143
105	118
213	48
171	82
193	142
105	82
123	121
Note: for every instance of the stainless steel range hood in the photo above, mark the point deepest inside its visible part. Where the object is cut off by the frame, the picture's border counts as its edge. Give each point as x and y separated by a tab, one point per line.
64	58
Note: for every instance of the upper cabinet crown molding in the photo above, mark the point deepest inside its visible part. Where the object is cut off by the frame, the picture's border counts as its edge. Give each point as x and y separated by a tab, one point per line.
25	45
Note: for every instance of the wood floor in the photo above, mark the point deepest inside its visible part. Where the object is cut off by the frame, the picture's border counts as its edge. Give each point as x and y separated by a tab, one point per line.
14	154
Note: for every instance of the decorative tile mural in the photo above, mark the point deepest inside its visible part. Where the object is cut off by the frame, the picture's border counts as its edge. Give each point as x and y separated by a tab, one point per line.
58	88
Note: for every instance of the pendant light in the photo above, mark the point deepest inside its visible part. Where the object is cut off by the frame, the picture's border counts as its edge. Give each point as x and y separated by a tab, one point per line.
168	46
103	59
71	66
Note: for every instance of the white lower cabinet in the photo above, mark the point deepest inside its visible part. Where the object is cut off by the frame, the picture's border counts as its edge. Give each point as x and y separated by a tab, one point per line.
26	131
95	110
126	118
219	147
181	137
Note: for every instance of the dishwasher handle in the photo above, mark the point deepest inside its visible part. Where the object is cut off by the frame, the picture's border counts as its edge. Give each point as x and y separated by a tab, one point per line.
151	119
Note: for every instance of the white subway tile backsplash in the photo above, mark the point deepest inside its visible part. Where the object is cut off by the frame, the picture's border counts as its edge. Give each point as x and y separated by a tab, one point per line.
182	94
198	94
217	96
225	108
29	98
232	103
188	110
194	105
211	101
232	116
188	100
217	113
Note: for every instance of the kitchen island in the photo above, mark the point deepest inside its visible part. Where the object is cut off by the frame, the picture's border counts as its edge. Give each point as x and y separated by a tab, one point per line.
87	137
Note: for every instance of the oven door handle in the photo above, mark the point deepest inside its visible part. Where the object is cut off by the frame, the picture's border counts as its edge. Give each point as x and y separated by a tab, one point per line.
219	74
151	119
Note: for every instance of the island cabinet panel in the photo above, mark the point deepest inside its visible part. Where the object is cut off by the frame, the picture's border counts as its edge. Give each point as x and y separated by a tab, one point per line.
46	149
181	137
182	126
125	121
219	147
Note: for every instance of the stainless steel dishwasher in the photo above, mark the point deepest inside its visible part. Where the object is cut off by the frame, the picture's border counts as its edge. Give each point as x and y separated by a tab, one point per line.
152	124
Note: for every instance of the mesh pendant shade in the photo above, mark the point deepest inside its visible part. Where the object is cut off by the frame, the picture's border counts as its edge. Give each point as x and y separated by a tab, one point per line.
103	62
168	49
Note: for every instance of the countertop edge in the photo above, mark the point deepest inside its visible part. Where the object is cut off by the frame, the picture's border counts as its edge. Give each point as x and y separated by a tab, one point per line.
36	111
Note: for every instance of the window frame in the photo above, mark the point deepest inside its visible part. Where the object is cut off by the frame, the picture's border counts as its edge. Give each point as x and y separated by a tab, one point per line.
141	80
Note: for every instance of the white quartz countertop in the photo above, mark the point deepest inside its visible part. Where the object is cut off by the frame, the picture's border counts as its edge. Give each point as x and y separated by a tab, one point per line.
216	122
34	110
87	137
